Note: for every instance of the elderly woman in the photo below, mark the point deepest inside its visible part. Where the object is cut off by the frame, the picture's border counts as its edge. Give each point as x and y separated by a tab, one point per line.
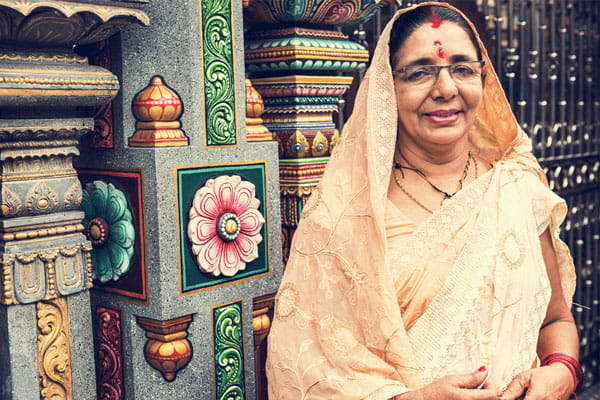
427	264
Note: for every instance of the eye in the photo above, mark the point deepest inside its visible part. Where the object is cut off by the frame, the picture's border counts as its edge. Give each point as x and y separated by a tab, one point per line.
418	74
463	71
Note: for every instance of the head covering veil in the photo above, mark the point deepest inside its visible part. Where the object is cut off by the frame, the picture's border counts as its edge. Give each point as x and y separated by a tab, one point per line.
337	330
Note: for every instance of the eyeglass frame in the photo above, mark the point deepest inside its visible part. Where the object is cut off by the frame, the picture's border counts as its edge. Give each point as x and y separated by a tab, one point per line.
438	68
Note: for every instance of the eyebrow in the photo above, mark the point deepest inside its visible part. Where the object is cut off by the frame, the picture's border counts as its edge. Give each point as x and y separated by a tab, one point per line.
429	60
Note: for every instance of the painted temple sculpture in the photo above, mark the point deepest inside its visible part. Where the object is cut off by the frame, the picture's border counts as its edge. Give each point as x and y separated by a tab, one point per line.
153	171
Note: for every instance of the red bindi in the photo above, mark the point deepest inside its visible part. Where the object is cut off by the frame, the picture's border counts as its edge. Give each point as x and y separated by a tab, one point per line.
440	50
435	19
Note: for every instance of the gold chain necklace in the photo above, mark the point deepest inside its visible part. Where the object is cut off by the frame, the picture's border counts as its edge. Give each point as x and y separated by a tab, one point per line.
446	195
410	196
422	174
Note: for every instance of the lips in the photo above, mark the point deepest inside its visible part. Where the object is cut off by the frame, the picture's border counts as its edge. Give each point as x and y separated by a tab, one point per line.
443	117
443	113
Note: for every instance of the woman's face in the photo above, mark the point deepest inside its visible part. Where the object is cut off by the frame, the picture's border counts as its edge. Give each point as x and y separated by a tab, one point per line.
440	114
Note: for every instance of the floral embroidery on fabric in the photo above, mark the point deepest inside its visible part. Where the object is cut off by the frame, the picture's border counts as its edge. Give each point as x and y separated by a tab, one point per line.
225	225
477	339
287	301
512	251
341	338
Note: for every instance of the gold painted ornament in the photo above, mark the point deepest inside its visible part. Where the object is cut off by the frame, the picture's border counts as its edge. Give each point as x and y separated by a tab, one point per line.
255	106
167	349
157	109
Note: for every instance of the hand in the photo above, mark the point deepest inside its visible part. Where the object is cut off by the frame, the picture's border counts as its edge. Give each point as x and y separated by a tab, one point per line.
553	382
460	387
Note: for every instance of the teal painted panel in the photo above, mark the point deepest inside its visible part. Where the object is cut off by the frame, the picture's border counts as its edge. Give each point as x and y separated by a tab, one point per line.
189	180
229	352
219	79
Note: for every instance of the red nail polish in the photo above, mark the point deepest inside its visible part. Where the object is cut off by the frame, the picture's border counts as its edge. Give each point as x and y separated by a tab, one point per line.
481	369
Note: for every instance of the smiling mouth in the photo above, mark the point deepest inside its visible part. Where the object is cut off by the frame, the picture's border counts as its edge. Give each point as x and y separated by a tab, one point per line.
443	114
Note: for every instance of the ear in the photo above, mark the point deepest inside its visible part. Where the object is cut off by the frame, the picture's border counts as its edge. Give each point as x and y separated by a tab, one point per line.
483	80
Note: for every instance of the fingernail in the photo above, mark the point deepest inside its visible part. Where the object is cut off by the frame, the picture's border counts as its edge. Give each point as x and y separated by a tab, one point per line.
481	369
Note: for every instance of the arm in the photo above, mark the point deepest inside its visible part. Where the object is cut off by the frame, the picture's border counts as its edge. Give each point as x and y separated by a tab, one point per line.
557	335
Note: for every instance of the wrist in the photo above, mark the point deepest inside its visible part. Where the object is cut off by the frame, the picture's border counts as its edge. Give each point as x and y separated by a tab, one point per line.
568	362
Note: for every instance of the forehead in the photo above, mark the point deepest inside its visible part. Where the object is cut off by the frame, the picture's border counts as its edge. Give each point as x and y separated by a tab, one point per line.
422	42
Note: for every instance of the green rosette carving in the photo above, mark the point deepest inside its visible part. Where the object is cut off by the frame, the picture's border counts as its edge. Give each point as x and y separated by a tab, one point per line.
218	72
229	352
110	229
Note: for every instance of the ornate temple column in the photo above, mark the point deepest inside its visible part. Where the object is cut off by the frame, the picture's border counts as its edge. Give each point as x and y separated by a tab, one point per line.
47	97
293	53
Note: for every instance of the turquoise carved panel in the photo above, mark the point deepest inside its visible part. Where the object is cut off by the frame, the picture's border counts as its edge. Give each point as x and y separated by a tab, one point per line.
217	45
229	352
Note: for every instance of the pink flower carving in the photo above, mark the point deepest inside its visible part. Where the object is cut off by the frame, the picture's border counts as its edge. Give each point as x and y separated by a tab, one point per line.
224	225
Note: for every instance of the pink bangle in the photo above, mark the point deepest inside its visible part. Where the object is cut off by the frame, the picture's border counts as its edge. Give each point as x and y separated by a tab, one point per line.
571	363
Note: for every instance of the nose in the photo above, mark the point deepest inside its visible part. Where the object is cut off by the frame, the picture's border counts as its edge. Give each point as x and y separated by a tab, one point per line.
444	87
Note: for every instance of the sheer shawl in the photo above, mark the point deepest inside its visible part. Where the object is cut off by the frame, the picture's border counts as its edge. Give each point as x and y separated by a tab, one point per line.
338	331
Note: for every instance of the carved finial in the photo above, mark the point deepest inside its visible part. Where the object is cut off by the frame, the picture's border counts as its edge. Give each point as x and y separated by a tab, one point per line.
157	109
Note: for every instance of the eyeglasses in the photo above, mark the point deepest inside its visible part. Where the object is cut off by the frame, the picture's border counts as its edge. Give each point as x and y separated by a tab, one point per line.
424	75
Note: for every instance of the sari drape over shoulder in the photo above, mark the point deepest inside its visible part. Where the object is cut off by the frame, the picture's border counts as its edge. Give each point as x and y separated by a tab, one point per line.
372	306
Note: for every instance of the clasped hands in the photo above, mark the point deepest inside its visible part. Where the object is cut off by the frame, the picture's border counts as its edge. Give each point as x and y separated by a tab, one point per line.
551	382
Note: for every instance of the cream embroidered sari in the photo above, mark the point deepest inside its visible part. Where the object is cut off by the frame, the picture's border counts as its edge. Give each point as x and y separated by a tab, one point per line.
371	306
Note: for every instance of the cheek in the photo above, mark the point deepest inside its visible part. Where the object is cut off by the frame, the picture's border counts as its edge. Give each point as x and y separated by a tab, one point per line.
408	101
473	98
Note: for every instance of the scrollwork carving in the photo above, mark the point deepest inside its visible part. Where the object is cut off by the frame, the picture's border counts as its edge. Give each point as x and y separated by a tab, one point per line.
110	354
54	353
218	72
229	352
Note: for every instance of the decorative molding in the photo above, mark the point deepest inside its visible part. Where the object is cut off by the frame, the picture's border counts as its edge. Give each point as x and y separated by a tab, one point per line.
157	110
109	350
58	81
40	56
22	234
64	23
42	134
298	180
168	350
229	351
218	60
45	274
54	353
69	8
318	12
306	49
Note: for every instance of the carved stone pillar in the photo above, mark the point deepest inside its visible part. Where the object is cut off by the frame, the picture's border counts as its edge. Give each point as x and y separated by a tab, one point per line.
294	69
47	99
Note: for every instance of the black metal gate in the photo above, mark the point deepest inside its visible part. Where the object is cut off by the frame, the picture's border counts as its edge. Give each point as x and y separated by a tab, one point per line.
547	54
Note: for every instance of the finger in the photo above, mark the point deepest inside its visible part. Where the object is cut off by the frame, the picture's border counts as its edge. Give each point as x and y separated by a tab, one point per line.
488	385
475	394
517	387
472	380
